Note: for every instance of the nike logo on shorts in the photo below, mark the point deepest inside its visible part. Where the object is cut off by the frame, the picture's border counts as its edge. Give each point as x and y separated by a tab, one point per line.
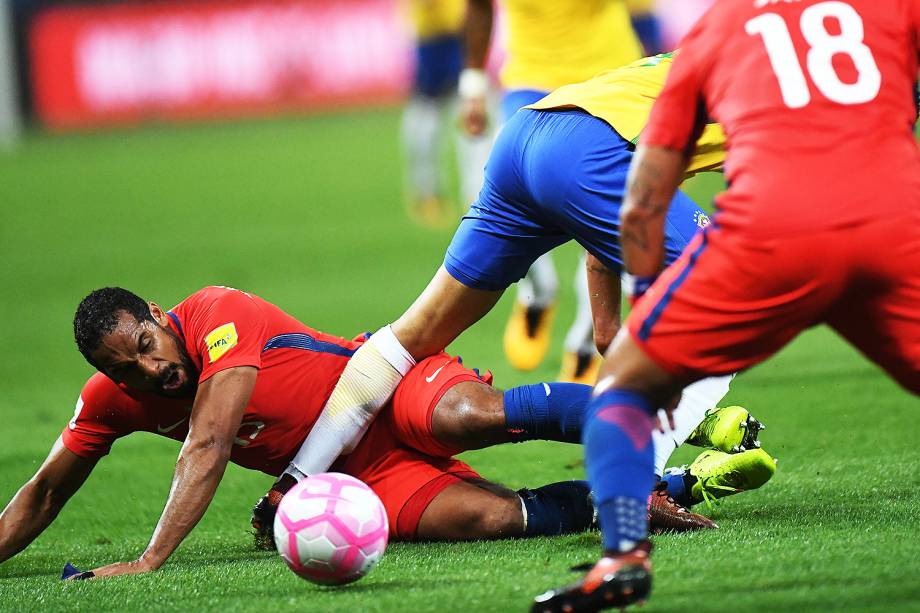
164	430
434	374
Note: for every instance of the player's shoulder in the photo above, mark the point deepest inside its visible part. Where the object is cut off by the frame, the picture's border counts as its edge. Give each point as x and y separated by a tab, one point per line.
211	294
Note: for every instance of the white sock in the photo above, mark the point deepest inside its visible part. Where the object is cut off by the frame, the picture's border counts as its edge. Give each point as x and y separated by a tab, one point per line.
539	286
696	400
421	130
580	337
366	384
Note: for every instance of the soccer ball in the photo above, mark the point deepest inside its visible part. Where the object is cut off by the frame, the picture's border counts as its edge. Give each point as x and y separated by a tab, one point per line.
331	529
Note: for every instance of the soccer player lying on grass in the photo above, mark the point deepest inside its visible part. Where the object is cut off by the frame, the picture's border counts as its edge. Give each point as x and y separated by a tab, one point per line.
557	172
237	379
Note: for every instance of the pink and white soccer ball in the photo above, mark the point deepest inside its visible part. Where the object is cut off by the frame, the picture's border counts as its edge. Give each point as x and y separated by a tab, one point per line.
331	529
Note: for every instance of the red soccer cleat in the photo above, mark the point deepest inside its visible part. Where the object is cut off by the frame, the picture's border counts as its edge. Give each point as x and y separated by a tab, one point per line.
666	515
615	581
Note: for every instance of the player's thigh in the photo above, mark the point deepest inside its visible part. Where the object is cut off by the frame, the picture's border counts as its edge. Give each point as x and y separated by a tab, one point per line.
730	302
472	509
880	313
436	400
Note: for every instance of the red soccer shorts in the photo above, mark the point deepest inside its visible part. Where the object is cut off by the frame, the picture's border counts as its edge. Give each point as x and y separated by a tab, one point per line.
399	458
732	301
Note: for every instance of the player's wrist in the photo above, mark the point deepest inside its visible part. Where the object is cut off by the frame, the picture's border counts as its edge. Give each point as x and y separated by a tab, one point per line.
473	83
149	561
635	286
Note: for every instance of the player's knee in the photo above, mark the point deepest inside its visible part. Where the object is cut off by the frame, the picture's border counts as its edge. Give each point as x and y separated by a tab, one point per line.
466	411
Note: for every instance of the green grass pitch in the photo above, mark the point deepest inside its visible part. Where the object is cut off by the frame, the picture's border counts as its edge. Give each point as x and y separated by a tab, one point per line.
308	214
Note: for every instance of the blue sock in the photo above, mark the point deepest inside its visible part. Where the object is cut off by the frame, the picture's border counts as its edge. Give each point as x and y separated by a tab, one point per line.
620	460
558	508
677	487
547	411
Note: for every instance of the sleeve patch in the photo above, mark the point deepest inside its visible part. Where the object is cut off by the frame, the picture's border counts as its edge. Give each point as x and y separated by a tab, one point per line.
220	340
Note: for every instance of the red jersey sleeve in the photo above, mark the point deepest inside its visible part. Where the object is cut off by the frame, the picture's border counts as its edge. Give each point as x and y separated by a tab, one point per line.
915	17
679	114
231	334
98	420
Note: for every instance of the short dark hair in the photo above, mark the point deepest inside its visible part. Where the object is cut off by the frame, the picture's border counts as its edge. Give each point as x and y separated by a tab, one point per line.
97	316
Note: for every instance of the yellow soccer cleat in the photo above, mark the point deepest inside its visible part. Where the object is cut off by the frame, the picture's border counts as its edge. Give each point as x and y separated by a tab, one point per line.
431	212
580	367
527	335
729	429
717	474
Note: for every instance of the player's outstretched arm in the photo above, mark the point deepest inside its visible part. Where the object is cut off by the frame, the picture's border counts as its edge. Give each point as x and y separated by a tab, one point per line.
214	422
654	176
39	501
474	82
605	295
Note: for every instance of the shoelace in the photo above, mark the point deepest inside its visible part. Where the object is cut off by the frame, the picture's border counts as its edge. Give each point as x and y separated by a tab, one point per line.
709	497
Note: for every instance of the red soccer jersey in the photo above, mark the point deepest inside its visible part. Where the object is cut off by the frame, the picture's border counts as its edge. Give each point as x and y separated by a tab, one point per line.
223	328
817	99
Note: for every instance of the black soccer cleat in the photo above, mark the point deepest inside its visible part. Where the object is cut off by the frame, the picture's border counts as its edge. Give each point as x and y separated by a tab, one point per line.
263	513
615	581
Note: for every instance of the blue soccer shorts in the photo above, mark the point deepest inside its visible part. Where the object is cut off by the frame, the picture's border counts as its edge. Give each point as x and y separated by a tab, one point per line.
438	62
553	176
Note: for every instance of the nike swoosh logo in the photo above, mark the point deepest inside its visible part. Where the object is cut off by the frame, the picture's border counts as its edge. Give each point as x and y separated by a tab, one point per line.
434	374
167	429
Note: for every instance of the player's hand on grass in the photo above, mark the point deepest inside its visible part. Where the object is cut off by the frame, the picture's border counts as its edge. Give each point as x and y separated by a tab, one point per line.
72	573
123	568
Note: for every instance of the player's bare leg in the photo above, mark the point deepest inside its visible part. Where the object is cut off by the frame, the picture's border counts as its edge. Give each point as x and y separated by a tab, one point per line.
472	510
480	509
444	310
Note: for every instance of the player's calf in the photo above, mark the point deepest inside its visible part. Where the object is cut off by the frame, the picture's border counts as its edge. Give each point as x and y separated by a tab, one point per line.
473	415
480	509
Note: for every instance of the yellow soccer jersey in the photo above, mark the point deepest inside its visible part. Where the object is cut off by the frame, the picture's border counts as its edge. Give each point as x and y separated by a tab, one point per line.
432	18
554	42
624	97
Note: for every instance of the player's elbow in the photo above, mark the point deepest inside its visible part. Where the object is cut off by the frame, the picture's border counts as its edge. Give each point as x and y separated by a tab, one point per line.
602	341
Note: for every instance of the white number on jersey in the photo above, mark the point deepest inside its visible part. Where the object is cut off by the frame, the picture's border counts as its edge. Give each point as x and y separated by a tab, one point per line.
822	47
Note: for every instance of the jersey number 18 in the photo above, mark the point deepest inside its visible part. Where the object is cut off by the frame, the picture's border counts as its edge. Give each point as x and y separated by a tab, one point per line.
822	47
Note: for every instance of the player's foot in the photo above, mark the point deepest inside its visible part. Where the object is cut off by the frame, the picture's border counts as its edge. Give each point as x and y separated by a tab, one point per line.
527	335
716	474
580	367
729	429
617	580
665	515
263	514
430	212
